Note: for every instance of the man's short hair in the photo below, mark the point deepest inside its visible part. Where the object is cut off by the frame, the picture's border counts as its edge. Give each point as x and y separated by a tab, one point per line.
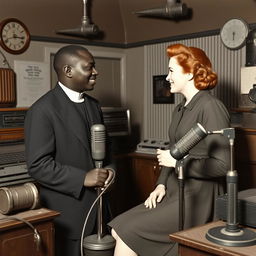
65	53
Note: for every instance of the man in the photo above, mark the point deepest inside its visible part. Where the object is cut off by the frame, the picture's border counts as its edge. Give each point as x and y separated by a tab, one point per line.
58	149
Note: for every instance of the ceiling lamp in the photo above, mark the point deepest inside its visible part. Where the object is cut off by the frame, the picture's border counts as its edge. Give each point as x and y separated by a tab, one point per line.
86	29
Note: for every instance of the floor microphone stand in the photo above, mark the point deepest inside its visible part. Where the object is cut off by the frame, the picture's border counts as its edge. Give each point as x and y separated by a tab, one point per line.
99	244
99	215
231	234
181	194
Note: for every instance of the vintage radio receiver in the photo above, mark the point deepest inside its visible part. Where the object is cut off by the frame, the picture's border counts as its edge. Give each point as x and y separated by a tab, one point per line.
12	117
117	120
149	146
246	207
7	88
13	168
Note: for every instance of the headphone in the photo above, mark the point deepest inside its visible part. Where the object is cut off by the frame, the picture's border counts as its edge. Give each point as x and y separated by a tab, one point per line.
37	237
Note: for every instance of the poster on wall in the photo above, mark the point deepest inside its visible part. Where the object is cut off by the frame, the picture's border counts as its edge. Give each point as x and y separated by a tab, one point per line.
32	81
161	90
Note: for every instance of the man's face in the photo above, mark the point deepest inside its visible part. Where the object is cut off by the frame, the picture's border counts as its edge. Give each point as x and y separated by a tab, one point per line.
83	73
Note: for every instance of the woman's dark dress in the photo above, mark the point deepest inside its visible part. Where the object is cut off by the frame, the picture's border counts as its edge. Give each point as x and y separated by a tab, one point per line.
146	231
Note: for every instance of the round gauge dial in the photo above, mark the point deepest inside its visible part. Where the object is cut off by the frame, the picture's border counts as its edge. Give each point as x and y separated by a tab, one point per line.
234	33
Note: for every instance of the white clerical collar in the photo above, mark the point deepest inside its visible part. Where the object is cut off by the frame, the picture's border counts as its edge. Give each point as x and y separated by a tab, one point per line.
73	95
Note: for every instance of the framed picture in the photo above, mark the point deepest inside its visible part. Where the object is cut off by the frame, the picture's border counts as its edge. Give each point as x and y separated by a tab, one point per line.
161	90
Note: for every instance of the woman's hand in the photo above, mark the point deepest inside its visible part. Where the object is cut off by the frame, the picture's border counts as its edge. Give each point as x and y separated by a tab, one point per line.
164	158
155	197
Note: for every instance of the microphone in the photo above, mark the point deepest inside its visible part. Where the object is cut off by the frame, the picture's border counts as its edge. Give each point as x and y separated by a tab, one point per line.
168	12
188	141
98	144
173	9
178	151
98	244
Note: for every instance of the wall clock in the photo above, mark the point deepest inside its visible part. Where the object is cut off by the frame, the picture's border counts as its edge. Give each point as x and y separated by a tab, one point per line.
14	36
233	33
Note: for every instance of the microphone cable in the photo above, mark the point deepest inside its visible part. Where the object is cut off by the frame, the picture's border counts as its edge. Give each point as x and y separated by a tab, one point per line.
37	237
89	212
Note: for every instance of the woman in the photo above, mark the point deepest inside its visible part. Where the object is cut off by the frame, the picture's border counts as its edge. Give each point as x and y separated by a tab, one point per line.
144	229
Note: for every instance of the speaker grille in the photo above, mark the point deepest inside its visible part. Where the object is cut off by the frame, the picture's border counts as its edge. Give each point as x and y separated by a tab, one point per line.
7	88
116	120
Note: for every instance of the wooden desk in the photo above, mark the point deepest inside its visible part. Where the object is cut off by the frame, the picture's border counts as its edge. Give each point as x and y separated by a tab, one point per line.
17	238
192	242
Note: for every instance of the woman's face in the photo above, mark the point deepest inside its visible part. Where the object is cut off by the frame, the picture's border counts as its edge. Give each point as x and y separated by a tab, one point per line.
176	77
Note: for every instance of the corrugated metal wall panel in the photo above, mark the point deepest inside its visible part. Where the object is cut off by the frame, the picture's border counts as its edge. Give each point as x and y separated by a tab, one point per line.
226	63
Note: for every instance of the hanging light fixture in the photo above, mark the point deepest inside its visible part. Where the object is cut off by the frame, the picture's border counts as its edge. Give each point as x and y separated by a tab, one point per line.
86	29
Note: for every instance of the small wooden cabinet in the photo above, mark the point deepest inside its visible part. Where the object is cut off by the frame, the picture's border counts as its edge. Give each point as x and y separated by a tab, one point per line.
245	157
145	171
17	238
244	122
136	175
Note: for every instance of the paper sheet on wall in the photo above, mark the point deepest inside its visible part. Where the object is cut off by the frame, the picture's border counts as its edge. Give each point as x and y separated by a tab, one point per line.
32	80
248	79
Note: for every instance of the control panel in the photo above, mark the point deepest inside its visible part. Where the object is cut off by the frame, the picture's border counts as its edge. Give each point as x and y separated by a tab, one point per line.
149	146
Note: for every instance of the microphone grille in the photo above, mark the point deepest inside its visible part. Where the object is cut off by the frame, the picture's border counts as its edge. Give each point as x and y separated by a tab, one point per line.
98	135
188	141
98	141
192	137
195	134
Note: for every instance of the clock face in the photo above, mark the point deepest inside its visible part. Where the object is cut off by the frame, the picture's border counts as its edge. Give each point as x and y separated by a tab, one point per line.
234	33
14	36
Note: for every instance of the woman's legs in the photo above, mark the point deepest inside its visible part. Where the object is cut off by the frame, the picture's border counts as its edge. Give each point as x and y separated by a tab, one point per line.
121	248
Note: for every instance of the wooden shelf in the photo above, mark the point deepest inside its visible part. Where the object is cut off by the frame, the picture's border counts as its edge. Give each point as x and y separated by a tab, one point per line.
12	134
250	110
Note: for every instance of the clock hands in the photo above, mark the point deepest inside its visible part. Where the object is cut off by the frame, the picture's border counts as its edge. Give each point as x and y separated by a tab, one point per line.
15	37
15	41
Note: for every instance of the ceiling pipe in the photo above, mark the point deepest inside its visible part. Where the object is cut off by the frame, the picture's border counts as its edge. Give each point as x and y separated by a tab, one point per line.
86	29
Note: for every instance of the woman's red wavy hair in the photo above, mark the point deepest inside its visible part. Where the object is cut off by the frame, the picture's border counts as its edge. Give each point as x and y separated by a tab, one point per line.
194	60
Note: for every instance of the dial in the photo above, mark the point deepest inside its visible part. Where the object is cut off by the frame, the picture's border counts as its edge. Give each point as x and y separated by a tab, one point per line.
233	33
14	36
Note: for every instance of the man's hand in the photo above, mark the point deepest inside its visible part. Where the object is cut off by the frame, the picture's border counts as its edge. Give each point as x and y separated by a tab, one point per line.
155	197
97	177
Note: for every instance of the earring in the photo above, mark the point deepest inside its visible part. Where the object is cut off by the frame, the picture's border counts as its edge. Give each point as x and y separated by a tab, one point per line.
190	76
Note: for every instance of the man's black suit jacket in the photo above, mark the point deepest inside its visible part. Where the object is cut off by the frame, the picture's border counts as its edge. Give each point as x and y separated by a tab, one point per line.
58	156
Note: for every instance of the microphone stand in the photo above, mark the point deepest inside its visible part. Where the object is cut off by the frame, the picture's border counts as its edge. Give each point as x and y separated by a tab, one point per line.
99	245
99	213
231	234
180	171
